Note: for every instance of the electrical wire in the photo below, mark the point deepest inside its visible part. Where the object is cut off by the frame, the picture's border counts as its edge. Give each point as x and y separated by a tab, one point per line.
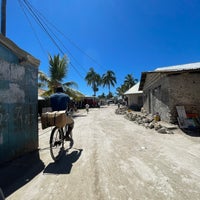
42	22
29	21
39	22
73	43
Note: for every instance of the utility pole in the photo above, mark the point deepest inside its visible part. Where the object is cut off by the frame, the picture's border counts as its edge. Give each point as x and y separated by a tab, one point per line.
3	17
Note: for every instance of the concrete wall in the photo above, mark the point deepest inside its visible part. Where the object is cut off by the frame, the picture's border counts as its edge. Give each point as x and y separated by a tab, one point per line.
184	90
163	92
135	100
18	105
156	95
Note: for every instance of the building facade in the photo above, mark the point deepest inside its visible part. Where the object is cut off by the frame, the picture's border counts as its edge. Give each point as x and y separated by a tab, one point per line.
135	97
18	101
166	88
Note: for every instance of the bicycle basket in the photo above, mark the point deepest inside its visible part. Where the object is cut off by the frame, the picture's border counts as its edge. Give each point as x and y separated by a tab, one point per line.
56	118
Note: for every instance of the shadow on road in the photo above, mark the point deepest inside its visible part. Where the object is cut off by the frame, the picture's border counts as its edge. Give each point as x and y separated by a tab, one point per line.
64	165
192	132
79	115
17	173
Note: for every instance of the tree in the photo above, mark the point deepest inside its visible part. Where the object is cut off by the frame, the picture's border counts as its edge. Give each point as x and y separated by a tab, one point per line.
93	79
102	96
110	95
121	90
129	81
58	69
109	79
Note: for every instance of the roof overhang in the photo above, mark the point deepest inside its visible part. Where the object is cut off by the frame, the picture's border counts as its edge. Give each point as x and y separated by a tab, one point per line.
23	56
167	72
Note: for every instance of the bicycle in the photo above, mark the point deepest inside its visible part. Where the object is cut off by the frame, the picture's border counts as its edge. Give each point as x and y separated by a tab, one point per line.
60	139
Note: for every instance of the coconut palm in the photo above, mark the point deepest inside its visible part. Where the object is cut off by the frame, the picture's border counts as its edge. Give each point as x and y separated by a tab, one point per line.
93	79
58	69
129	81
120	90
109	79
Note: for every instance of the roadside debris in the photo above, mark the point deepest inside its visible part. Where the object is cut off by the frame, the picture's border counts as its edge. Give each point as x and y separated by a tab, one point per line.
147	121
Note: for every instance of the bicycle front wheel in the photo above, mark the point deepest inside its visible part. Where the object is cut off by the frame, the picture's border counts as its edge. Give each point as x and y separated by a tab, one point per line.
56	143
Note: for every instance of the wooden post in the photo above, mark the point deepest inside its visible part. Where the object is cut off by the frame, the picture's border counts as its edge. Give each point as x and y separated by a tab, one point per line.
3	17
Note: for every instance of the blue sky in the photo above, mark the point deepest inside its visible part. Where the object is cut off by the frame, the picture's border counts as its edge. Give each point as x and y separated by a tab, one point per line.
125	36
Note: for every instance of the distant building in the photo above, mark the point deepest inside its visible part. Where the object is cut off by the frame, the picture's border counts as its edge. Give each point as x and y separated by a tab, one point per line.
168	87
135	97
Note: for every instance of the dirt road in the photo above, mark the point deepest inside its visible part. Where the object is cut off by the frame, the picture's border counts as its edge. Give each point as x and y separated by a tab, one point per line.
115	159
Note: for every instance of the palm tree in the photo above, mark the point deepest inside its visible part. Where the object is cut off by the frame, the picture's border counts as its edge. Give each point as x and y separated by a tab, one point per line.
93	79
58	69
109	79
129	81
120	90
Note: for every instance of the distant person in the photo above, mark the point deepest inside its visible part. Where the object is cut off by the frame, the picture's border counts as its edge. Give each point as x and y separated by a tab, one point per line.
87	107
118	105
61	101
99	104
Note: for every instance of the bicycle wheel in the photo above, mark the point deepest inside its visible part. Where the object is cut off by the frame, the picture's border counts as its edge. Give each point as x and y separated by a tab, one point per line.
56	143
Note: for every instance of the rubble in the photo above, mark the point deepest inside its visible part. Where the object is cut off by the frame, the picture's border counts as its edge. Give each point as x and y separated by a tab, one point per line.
146	120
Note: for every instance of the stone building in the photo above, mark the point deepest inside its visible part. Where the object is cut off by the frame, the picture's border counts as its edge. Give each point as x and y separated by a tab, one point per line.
168	87
135	100
18	101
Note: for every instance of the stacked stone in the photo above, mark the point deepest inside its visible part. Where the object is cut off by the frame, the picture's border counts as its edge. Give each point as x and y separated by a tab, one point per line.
121	111
147	121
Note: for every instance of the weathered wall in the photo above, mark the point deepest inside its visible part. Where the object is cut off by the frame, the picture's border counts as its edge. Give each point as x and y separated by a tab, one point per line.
184	90
135	100
156	95
18	106
163	92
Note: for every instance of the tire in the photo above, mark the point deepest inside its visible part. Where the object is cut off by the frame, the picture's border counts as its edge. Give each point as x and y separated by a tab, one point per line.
56	143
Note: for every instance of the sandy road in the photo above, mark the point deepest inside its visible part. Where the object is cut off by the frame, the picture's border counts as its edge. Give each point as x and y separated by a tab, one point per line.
115	159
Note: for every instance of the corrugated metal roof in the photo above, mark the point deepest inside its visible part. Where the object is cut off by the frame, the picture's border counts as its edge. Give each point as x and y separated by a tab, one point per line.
134	89
189	66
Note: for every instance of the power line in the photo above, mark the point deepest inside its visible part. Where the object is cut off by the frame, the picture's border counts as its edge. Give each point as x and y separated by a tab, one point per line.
48	31
66	37
32	27
74	44
45	20
45	29
42	25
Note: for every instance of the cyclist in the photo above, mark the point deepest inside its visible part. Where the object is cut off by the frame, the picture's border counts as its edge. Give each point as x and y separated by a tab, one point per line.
61	101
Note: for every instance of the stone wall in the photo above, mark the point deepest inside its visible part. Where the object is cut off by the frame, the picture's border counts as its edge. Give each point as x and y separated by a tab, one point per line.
163	93
184	91
156	96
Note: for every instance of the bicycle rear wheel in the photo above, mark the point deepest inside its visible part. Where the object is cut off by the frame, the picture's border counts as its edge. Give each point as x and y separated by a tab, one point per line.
56	143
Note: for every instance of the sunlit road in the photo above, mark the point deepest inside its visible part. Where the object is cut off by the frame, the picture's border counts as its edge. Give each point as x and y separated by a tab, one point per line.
116	159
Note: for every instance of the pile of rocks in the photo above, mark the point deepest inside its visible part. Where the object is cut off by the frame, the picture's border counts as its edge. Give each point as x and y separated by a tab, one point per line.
147	121
121	110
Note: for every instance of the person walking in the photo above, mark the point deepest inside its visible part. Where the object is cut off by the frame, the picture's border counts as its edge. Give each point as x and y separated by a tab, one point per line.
87	107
